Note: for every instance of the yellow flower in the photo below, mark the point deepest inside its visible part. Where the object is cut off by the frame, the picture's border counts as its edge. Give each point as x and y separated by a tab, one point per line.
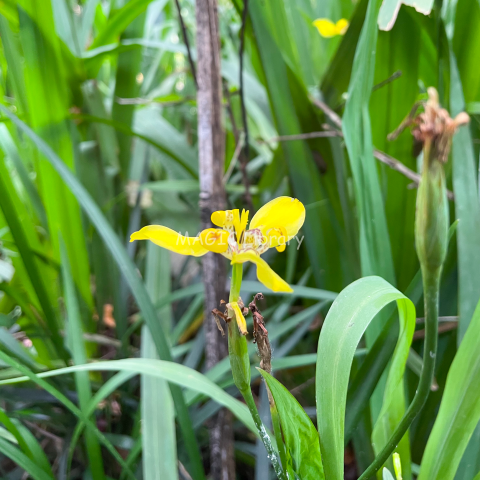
328	29
273	225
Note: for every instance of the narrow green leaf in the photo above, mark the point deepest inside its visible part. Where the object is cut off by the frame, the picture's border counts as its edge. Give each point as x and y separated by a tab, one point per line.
172	372
14	454
119	21
76	346
467	210
301	437
10	209
459	411
159	452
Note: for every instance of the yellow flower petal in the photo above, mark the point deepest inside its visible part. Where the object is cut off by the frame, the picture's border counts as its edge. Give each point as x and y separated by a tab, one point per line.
328	29
341	26
285	214
219	218
242	324
264	273
214	240
171	240
325	27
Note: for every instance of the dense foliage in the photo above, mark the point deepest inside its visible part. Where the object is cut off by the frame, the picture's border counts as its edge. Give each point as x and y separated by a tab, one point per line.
98	137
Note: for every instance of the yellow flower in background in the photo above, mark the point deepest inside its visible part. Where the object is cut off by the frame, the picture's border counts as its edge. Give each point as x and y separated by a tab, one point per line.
273	225
328	29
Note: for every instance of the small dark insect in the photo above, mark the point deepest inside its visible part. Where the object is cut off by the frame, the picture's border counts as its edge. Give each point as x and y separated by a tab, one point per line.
258	323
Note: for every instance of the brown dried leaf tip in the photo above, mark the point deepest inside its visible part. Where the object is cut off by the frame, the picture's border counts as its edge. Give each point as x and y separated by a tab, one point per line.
433	127
260	335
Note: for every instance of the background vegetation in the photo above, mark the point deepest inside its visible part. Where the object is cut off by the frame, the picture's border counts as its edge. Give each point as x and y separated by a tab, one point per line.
98	137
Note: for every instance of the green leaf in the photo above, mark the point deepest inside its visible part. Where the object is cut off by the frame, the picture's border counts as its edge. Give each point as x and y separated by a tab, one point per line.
14	454
386	475
159	443
467	209
390	8
348	318
172	372
76	345
119	21
459	411
299	433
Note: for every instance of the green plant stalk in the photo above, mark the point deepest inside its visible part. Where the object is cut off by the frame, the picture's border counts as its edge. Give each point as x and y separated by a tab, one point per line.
240	364
431	238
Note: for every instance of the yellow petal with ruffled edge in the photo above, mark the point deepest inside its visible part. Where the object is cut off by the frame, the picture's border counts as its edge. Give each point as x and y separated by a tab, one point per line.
242	324
283	216
167	238
264	273
214	240
328	29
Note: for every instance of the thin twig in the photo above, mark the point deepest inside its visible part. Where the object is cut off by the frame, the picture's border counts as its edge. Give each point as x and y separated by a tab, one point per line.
391	78
148	101
378	154
246	151
302	136
233	161
444	327
187	42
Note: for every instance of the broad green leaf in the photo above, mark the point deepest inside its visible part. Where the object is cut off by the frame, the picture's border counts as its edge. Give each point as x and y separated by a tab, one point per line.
459	411
348	318
299	433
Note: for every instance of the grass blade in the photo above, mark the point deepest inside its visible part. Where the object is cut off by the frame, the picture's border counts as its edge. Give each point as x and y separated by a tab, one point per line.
76	346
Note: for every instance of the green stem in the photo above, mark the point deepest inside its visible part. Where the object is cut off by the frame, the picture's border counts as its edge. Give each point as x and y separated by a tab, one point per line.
431	286
271	452
240	364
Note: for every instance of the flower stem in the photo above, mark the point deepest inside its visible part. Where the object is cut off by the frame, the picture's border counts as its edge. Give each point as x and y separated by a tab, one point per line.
240	364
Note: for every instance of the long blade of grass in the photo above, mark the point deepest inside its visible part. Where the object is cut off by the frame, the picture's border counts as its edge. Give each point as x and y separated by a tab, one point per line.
170	371
17	456
29	375
159	453
467	210
13	218
76	346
